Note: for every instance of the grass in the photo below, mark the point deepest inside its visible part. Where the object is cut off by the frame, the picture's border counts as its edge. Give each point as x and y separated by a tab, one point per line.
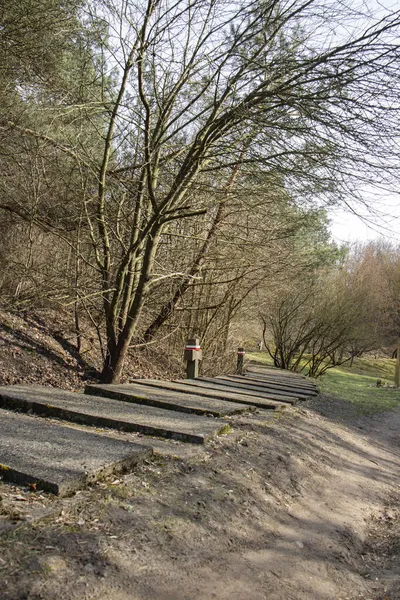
357	384
225	429
261	357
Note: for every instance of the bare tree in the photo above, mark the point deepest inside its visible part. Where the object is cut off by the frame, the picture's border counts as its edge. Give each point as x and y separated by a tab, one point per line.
194	83
187	111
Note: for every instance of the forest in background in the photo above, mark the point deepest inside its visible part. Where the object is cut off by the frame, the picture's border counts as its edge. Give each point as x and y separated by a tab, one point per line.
166	166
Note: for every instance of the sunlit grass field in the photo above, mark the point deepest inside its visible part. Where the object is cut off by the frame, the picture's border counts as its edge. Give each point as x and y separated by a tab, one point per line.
357	384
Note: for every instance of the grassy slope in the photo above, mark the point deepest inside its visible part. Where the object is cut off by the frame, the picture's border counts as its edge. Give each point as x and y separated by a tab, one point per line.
358	383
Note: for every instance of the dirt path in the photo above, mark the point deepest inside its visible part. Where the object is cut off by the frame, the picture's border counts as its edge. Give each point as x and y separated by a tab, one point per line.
297	507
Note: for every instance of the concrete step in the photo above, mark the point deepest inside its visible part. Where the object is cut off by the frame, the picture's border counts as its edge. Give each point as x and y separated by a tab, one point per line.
191	386
268	388
253	397
58	458
278	373
163	396
290	385
251	389
102	412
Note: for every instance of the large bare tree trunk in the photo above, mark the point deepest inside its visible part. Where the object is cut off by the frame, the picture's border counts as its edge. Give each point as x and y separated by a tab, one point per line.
115	359
168	308
118	342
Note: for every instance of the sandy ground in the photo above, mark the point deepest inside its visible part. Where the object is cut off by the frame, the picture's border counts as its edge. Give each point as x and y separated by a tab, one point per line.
302	505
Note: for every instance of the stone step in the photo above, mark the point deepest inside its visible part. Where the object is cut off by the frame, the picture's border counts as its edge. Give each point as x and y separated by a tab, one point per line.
269	388
167	397
102	412
191	386
251	396
59	458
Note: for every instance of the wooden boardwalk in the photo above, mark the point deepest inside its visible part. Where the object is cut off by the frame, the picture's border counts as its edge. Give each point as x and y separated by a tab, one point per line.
190	410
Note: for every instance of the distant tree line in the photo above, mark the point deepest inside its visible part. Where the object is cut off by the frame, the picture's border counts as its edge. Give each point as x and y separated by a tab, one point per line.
334	315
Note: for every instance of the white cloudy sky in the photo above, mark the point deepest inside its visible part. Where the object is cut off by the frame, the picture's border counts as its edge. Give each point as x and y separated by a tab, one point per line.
382	222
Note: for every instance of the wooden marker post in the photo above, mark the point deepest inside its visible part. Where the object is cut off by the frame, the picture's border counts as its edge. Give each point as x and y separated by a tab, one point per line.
192	356
240	361
397	372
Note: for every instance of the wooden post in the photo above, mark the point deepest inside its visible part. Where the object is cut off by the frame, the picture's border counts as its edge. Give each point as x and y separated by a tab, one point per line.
240	361
192	356
397	372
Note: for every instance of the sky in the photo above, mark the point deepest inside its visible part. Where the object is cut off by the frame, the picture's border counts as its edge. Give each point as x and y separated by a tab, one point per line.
382	222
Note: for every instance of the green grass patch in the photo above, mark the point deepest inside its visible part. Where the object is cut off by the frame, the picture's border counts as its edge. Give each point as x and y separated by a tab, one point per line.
261	357
225	430
358	384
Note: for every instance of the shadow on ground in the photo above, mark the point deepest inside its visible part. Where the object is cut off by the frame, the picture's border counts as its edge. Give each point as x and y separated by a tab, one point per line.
279	511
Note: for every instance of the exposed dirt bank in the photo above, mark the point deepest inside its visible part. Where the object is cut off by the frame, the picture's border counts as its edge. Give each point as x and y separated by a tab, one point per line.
301	506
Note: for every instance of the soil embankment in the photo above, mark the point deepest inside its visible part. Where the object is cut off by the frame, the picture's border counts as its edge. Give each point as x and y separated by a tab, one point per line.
302	505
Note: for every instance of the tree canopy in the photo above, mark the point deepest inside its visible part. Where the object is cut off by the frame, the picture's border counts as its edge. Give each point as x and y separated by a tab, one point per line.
138	121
